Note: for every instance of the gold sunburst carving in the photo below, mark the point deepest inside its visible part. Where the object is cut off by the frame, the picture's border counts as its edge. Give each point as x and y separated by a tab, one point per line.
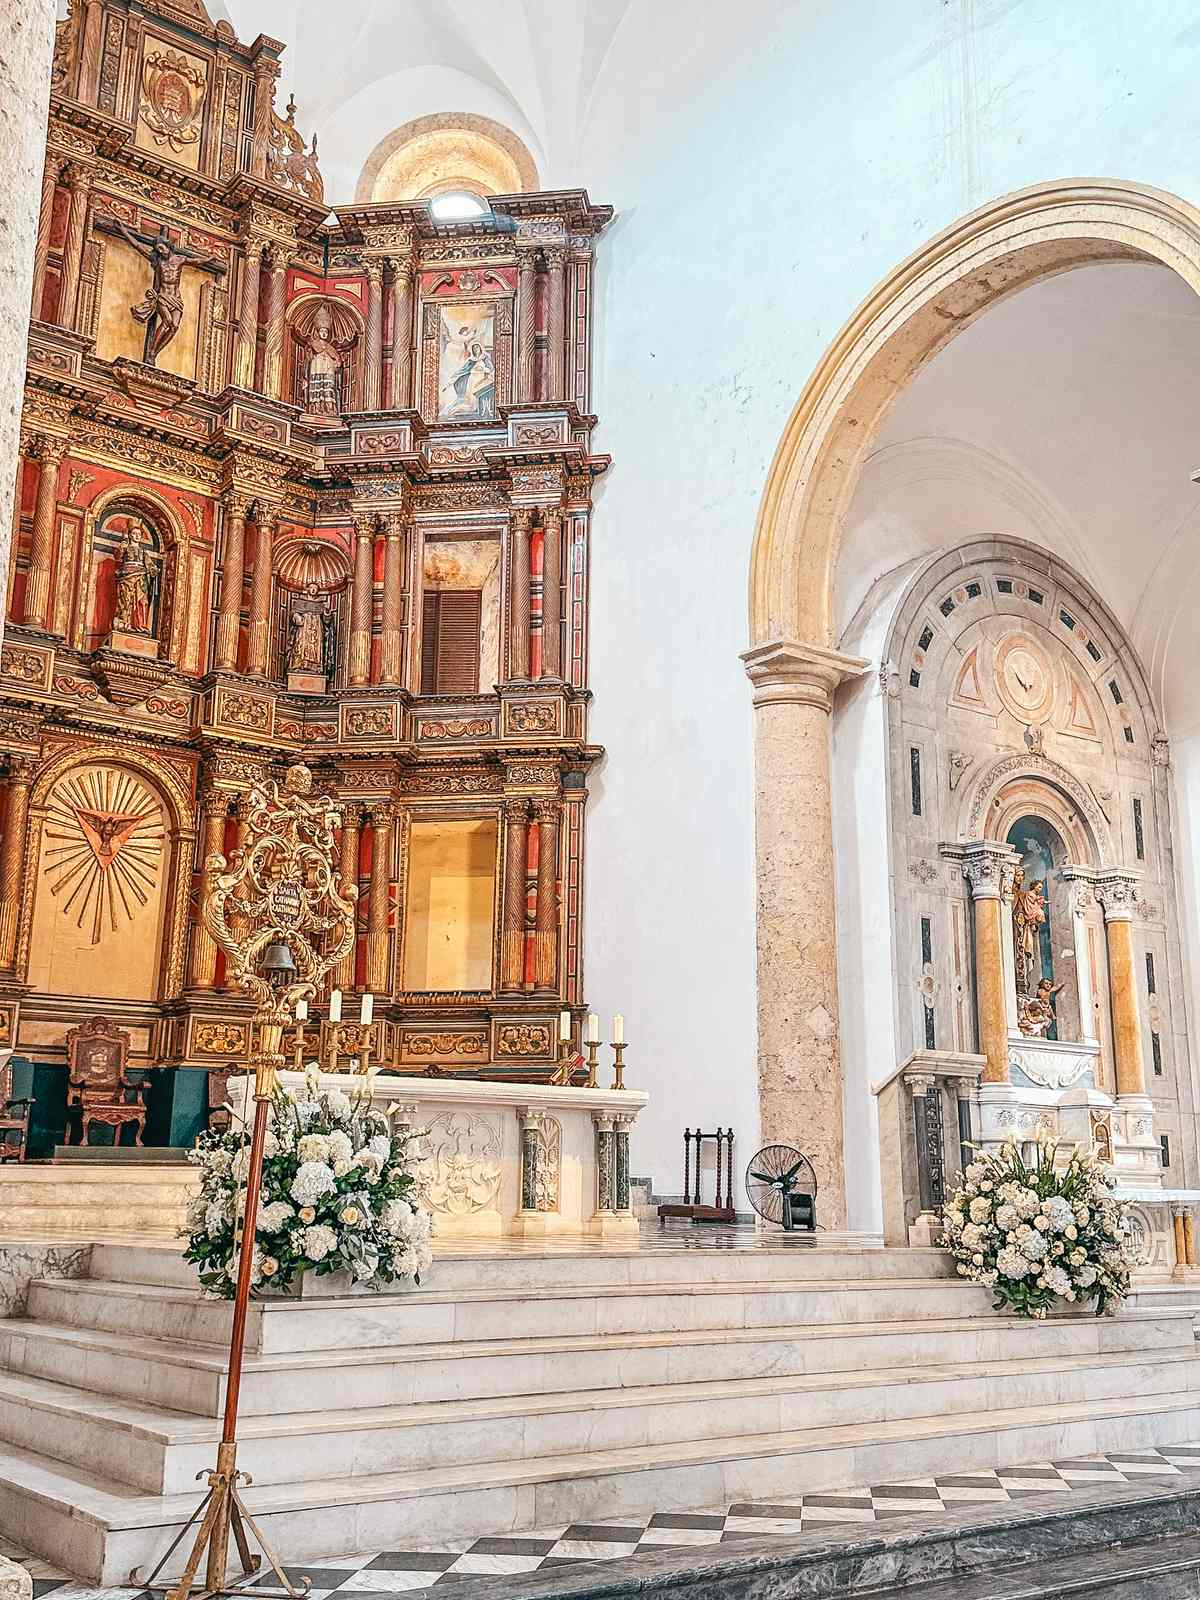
104	834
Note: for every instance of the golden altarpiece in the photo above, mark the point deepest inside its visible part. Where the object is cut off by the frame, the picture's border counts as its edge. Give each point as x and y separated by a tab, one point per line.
293	486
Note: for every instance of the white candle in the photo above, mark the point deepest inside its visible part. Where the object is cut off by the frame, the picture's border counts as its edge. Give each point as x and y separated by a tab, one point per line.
301	1010
368	1008
593	1033
618	1029
335	1006
564	1025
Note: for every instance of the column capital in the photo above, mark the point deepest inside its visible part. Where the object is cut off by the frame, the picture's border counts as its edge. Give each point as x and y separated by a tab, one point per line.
373	267
364	524
786	671
215	802
50	448
21	770
516	808
920	1084
531	1116
383	813
988	865
1116	890
546	811
78	176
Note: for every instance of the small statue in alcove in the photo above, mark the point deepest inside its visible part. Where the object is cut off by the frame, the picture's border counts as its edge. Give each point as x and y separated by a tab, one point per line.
1036	1014
325	389
137	582
306	633
1028	915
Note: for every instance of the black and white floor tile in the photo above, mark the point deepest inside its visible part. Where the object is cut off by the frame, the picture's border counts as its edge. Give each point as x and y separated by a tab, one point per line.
390	1572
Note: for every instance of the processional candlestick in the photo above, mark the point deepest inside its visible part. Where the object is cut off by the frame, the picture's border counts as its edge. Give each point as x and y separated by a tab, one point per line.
280	915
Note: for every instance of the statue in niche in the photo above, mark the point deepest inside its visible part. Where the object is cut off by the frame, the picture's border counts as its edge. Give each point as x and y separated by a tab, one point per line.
137	581
312	642
1036	1013
161	307
327	335
1028	915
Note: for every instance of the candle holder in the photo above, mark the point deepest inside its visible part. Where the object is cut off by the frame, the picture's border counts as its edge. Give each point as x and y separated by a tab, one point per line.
298	1047
364	1049
331	1058
619	1065
561	1076
593	1050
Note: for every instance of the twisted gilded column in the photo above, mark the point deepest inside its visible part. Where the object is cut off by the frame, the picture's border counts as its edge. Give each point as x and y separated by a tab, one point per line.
273	348
391	666
402	311
361	597
552	520
1117	893
233	567
258	649
79	182
245	343
214	808
512	941
556	261
526	324
520	523
545	938
41	548
348	862
379	904
50	175
988	867
373	364
799	1055
266	71
12	854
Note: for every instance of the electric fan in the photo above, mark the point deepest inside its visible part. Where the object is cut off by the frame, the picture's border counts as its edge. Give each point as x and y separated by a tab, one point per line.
782	1187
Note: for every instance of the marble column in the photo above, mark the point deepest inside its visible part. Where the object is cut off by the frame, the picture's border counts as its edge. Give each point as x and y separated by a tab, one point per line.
620	1178
526	323
50	176
988	865
1189	1235
1081	898
79	182
545	939
245	345
233	568
552	519
391	664
379	904
1117	893
556	261
362	601
512	942
41	548
348	867
520	523
603	1122
276	328
799	1059
12	854
531	1130
1180	1239
402	311
215	811
373	362
258	649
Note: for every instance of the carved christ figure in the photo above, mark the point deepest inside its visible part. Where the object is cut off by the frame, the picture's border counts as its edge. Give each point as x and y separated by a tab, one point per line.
137	584
322	380
161	308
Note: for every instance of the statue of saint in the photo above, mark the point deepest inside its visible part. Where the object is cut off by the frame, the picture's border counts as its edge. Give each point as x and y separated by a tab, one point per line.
137	583
161	308
1037	1013
1028	914
306	633
324	389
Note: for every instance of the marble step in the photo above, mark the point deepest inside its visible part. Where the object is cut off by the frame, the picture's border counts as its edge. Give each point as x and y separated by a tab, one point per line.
425	1316
167	1373
102	1530
163	1451
561	1264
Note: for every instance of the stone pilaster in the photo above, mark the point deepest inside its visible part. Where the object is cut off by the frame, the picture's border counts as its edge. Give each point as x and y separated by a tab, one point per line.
603	1122
799	1059
530	1118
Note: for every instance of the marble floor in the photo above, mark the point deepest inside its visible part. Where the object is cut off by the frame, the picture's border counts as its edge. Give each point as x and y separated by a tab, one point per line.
376	1574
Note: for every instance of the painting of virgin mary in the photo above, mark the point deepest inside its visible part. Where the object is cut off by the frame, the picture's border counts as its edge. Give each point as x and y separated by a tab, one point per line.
466	371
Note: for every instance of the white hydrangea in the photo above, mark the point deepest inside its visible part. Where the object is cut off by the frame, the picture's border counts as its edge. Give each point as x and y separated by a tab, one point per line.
1027	1203
396	1217
1058	1281
313	1147
1012	1264
272	1217
340	1148
976	1171
1086	1276
338	1105
220	1162
1059	1213
1032	1242
973	1236
216	1217
317	1241
381	1145
981	1210
1006	1217
197	1208
312	1180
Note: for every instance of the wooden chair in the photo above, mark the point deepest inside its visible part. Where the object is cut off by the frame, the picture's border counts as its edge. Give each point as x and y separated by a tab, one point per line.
100	1090
14	1117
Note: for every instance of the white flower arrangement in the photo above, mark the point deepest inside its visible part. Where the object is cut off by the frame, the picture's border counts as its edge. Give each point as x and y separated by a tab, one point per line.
337	1195
1041	1233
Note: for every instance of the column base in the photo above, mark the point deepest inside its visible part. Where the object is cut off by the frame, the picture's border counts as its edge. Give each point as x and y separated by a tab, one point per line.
533	1225
925	1230
614	1225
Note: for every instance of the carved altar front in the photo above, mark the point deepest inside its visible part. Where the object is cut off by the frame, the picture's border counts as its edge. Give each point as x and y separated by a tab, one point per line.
290	489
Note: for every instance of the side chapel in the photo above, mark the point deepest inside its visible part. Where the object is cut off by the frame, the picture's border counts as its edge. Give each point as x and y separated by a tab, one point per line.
289	489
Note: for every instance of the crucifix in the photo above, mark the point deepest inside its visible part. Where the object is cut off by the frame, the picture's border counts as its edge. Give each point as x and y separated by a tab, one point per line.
161	308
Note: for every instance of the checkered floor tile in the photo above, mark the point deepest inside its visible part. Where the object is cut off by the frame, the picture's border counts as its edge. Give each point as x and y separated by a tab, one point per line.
389	1572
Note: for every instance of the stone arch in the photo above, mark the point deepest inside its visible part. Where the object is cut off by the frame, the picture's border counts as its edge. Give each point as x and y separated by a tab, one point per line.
431	155
976	820
917	310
